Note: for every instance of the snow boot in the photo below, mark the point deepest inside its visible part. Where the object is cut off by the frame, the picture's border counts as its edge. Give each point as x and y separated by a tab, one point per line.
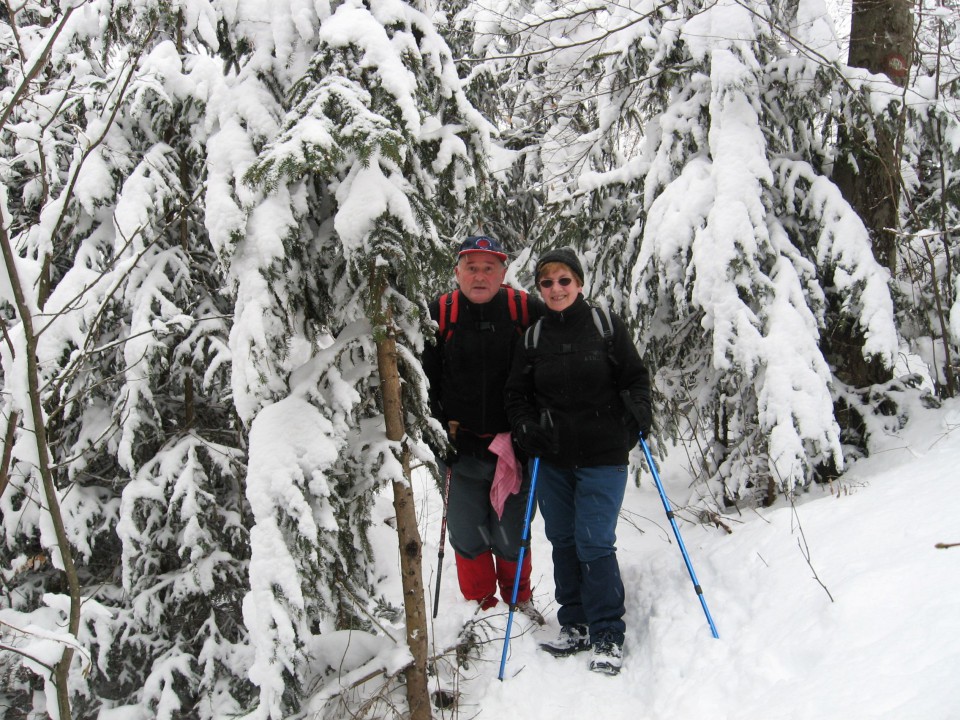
478	579
530	610
607	656
571	640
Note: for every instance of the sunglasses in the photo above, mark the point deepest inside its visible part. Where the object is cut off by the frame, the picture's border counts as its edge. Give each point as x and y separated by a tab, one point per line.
563	282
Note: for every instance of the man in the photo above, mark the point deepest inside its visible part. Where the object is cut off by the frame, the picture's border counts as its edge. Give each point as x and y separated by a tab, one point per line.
467	367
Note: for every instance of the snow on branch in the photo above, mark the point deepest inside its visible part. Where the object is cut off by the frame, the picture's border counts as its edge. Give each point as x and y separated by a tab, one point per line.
842	244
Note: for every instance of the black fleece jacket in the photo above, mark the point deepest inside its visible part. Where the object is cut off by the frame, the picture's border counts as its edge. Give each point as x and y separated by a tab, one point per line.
577	378
467	372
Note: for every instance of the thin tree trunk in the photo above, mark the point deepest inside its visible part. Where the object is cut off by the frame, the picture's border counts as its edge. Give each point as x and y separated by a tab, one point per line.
8	450
408	532
189	401
948	363
62	668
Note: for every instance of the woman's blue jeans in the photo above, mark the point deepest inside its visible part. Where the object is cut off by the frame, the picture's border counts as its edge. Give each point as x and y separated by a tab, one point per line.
580	508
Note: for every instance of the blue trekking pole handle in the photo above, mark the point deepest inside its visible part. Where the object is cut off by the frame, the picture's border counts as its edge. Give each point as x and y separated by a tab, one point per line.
676	532
525	540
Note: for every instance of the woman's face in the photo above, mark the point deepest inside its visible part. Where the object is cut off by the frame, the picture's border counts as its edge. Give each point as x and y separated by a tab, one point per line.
559	287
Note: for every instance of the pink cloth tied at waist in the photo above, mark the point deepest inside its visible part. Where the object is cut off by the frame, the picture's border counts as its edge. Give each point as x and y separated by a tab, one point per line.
508	475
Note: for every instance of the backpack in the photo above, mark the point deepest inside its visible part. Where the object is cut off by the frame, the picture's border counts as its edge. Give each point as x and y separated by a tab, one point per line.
450	311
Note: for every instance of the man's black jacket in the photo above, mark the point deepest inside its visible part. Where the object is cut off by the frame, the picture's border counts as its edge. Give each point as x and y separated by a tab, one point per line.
468	370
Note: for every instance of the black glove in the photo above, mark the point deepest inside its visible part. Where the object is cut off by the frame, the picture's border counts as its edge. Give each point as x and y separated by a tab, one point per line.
638	417
534	439
521	454
645	420
446	453
446	456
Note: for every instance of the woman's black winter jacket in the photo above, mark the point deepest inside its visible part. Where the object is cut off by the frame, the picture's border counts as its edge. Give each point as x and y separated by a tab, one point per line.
575	377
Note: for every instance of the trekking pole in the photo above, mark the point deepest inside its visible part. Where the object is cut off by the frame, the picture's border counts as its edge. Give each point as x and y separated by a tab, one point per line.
453	426
443	541
524	542
676	532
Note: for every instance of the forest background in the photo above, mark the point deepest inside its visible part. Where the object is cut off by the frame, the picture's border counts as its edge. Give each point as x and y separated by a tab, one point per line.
221	223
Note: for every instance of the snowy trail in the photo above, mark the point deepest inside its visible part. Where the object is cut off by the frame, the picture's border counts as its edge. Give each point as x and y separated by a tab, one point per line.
887	647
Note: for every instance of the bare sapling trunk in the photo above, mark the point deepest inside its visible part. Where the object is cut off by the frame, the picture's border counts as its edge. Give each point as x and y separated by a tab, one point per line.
62	668
8	450
935	284
411	546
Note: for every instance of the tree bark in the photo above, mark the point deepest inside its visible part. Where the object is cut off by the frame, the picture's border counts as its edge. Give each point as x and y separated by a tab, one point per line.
881	37
408	532
881	41
8	450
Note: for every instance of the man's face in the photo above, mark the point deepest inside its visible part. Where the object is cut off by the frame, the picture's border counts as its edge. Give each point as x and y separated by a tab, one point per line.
480	276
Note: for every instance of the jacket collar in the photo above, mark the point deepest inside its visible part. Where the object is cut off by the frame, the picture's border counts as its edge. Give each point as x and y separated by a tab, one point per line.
578	308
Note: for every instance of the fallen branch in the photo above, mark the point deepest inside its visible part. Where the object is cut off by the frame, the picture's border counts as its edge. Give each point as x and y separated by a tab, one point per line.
944	546
805	550
715	519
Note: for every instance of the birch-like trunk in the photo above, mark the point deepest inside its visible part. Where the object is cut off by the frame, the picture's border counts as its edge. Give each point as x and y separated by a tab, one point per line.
408	532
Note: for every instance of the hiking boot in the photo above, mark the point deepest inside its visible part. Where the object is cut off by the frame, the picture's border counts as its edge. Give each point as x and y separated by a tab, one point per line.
527	608
571	640
607	656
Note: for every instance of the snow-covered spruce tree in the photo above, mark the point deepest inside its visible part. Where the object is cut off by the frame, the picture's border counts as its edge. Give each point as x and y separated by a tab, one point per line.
500	77
102	161
536	69
702	182
589	111
373	168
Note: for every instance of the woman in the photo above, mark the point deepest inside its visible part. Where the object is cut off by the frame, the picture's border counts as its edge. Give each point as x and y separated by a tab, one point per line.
566	403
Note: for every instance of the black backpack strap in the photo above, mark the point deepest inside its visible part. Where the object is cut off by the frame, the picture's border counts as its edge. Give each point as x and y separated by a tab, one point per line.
601	318
531	338
604	324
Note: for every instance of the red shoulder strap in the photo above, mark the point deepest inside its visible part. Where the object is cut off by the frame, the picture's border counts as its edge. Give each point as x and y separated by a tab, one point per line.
449	309
512	303
519	311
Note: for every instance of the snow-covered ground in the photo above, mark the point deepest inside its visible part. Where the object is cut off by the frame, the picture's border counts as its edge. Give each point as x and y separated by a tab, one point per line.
868	628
